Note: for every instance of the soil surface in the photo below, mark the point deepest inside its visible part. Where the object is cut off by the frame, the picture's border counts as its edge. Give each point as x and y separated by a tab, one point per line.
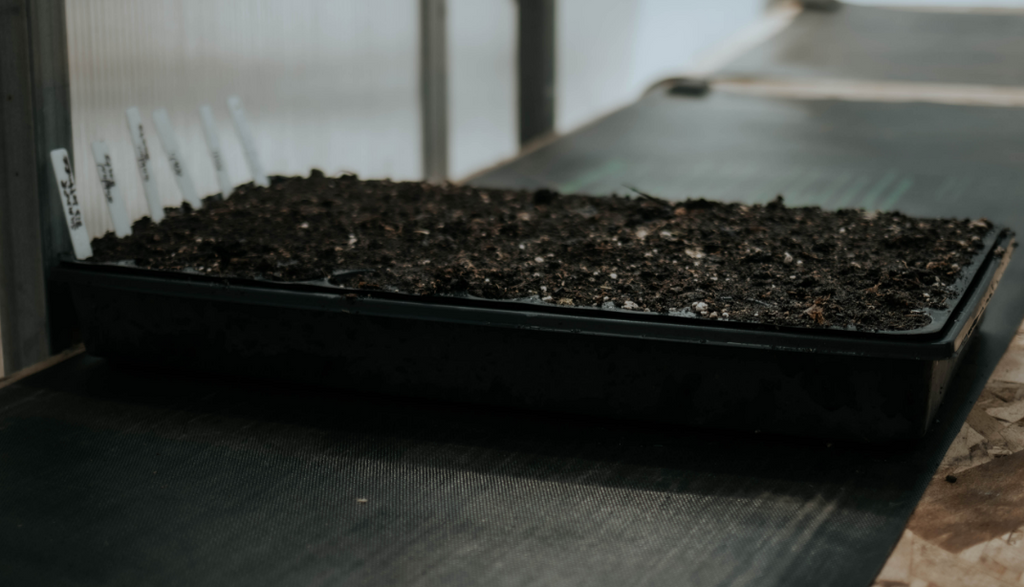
766	264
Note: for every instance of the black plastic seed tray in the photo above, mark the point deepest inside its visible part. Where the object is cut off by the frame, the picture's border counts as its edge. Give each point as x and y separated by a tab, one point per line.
829	383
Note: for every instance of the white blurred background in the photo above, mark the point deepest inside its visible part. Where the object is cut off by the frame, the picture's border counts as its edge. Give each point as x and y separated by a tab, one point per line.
333	84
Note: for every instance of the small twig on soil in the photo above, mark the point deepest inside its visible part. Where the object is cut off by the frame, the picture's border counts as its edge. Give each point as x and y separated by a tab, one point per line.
648	196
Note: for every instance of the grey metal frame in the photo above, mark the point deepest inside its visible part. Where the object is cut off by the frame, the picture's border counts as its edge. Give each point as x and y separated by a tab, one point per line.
35	117
51	91
536	70
434	88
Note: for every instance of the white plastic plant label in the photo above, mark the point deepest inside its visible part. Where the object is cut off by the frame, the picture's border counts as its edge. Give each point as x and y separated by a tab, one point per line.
69	202
213	142
248	144
169	141
111	191
156	207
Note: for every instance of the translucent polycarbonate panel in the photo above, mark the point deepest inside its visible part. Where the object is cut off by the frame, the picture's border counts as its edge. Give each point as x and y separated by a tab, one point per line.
331	84
482	84
610	51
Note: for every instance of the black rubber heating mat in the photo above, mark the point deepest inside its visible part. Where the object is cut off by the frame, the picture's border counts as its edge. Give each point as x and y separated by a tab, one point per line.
124	478
109	476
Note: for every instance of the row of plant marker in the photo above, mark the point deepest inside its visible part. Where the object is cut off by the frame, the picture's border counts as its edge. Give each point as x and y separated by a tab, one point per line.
80	241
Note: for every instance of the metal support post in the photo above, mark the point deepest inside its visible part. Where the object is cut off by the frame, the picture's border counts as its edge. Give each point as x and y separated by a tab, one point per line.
434	89
536	69
35	117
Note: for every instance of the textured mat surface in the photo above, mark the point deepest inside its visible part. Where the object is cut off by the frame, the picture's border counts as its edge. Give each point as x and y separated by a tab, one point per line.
874	43
111	476
114	477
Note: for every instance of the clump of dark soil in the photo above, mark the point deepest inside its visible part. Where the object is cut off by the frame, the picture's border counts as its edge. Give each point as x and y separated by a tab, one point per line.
765	264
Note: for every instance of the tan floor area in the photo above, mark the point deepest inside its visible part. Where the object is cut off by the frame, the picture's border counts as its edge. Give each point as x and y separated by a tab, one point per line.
970	531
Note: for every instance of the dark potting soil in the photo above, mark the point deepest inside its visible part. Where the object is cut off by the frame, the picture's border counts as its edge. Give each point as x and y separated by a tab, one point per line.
766	264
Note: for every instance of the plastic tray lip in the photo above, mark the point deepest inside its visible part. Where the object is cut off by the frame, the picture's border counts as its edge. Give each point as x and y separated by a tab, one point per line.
592	321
